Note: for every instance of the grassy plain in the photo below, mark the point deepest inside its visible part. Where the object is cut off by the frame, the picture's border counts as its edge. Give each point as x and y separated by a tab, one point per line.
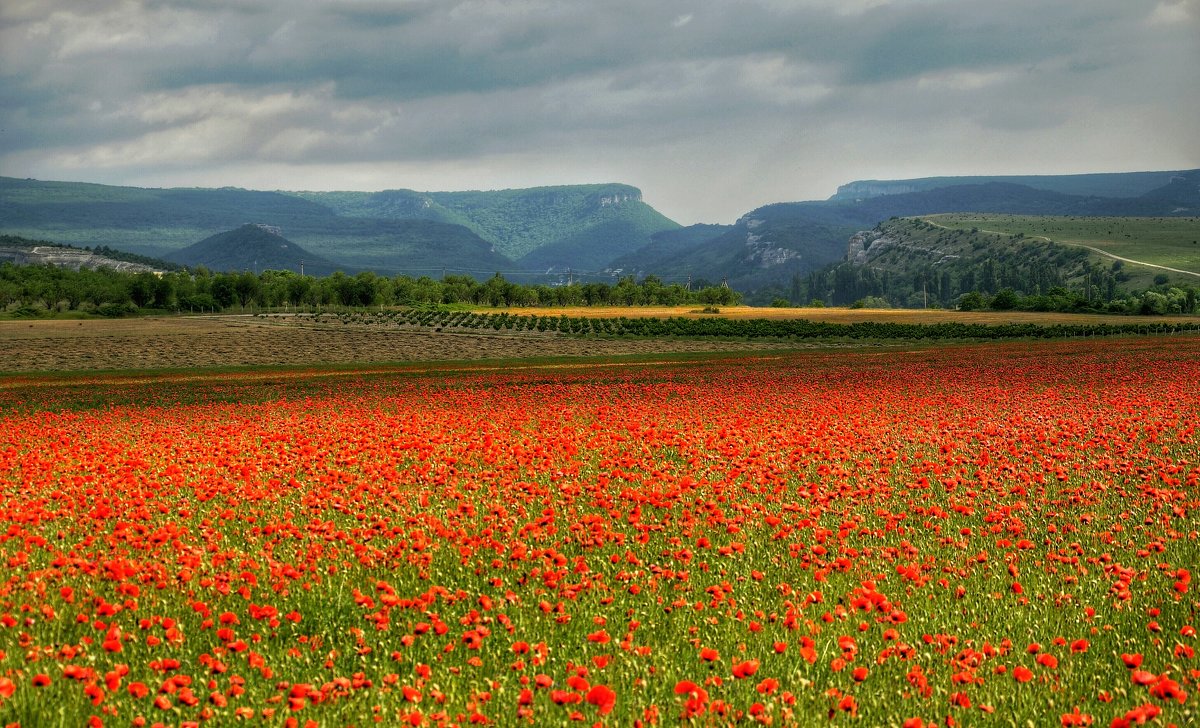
1171	242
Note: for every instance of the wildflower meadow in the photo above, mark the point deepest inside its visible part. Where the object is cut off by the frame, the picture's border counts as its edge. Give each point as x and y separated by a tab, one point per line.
972	534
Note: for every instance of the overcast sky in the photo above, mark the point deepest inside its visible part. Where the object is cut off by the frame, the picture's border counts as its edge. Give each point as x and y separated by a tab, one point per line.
711	108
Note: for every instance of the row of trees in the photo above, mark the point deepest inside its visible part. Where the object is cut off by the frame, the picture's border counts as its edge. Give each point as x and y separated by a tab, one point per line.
1153	302
943	285
1000	285
111	292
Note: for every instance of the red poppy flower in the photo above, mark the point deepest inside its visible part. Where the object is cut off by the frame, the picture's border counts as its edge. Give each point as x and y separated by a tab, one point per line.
603	698
745	669
1131	660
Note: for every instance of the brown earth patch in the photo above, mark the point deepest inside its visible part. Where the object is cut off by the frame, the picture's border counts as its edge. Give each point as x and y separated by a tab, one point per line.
156	343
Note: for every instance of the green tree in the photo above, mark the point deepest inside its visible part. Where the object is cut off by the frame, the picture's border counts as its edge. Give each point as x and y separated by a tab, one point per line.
1005	300
972	301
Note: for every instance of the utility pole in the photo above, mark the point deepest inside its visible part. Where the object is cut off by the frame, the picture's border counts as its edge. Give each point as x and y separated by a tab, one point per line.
302	268
925	293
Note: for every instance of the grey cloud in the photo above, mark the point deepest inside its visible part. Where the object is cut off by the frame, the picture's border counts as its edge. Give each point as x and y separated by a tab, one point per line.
419	81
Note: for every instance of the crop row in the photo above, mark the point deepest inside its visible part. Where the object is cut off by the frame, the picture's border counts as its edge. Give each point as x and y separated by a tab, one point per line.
740	328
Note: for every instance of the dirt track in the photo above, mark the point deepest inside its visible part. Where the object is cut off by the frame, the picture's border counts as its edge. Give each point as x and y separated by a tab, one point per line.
58	345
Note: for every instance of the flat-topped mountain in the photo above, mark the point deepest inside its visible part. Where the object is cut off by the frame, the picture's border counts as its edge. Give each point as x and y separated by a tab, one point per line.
573	225
1105	184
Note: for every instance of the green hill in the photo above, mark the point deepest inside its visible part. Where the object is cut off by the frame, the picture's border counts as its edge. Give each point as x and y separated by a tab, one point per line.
252	248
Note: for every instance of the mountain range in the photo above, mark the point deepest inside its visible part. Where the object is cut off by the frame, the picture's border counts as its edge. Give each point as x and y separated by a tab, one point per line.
768	246
599	231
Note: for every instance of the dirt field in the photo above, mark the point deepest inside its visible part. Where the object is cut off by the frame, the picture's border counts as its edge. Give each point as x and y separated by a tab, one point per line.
152	343
243	340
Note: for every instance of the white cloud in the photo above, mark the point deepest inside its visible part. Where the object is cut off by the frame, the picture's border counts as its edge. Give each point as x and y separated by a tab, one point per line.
963	80
127	27
1173	12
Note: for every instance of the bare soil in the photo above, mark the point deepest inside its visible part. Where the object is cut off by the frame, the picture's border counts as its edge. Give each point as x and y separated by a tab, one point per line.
215	341
245	340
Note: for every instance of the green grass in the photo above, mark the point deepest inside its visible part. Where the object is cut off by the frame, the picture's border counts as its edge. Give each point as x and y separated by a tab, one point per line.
1173	242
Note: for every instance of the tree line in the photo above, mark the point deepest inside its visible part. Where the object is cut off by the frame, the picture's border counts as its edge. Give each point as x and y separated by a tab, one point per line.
32	289
1000	285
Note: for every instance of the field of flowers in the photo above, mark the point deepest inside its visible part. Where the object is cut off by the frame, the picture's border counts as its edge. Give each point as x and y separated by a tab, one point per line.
1000	534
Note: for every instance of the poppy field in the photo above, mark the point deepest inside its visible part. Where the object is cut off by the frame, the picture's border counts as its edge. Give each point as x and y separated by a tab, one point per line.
985	534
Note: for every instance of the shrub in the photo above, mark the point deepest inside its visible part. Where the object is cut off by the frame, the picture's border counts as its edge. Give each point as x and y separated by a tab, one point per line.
117	310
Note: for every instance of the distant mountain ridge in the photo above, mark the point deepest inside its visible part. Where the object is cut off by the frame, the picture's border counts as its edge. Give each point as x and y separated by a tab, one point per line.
1105	184
554	233
768	247
531	230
